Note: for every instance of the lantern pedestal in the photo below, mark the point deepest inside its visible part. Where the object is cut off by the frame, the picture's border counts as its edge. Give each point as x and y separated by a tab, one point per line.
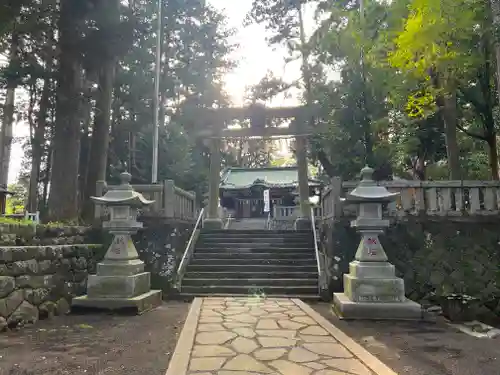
120	282
345	308
371	289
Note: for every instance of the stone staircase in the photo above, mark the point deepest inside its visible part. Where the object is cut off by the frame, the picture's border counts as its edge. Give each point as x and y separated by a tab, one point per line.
249	262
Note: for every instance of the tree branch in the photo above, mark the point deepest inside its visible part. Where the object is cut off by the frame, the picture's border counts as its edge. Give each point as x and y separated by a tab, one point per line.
471	134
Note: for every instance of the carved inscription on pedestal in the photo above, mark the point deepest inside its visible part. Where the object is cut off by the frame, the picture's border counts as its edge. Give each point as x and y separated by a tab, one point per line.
373	298
118	244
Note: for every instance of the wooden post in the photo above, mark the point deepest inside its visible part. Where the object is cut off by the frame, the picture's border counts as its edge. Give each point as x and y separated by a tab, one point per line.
169	198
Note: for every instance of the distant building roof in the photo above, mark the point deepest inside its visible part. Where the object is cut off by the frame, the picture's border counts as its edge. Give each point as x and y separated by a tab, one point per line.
244	178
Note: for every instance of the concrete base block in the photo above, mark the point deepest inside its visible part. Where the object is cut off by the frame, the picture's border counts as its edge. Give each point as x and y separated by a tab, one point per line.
118	286
371	270
212	224
141	303
120	267
374	290
347	309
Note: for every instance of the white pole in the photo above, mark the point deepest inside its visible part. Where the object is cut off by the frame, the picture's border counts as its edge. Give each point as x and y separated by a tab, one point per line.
156	125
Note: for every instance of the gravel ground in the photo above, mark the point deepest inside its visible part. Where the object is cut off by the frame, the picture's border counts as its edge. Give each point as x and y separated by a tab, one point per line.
101	343
413	348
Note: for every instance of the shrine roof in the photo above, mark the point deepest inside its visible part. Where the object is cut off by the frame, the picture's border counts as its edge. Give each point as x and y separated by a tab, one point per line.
244	178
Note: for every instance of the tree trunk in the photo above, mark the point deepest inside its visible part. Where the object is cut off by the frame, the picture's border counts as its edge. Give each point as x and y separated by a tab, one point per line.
63	197
449	115
38	146
85	149
6	134
98	160
495	11
493	152
447	104
493	155
326	164
48	173
420	168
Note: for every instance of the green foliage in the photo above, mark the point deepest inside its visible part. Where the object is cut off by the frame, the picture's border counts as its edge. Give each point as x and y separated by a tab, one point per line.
16	202
196	48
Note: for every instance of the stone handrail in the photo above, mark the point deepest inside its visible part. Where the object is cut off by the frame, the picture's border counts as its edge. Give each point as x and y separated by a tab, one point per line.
188	253
171	201
432	198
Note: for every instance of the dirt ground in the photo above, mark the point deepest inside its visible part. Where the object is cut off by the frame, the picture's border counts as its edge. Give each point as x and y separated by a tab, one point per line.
412	348
94	344
107	344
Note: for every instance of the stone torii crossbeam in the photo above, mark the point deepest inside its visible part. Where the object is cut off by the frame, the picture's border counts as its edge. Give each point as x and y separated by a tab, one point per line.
211	124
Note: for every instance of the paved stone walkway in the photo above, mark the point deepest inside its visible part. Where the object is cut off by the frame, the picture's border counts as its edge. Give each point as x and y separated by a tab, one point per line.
250	336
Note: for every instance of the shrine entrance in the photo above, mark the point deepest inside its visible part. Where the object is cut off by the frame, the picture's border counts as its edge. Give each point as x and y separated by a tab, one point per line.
212	125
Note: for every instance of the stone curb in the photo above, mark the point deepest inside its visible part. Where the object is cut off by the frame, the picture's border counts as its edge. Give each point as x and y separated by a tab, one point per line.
357	350
180	360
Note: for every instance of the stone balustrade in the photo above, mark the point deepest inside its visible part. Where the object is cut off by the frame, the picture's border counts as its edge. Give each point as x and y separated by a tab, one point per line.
292	212
430	198
170	201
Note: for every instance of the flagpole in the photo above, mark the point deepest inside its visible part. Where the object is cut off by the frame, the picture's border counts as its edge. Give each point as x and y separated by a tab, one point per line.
156	125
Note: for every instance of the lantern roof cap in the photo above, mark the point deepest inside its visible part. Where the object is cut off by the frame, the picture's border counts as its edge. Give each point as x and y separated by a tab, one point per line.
369	191
123	194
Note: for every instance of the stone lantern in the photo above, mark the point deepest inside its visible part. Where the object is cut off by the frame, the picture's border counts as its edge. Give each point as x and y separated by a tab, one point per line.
120	281
371	289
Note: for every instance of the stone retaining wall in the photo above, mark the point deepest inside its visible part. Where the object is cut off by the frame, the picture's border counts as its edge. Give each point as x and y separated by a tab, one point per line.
435	257
37	282
161	246
42	268
27	235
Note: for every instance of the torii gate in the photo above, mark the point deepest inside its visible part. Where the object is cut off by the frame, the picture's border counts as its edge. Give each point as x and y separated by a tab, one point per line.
212	125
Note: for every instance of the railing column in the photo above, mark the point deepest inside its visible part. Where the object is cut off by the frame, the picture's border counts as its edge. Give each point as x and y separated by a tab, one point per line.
169	198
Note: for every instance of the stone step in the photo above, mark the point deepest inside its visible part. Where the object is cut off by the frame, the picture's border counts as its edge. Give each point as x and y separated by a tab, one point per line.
259	242
253	250
290	290
231	267
251	245
251	275
249	255
253	235
245	262
212	282
304	297
255	231
254	238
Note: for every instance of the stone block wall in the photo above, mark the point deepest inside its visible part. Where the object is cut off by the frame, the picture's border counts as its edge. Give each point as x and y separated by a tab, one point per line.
39	281
434	257
41	268
29	235
161	246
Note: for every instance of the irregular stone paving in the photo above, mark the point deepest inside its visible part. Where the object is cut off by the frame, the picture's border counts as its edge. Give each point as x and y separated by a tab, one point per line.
248	336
